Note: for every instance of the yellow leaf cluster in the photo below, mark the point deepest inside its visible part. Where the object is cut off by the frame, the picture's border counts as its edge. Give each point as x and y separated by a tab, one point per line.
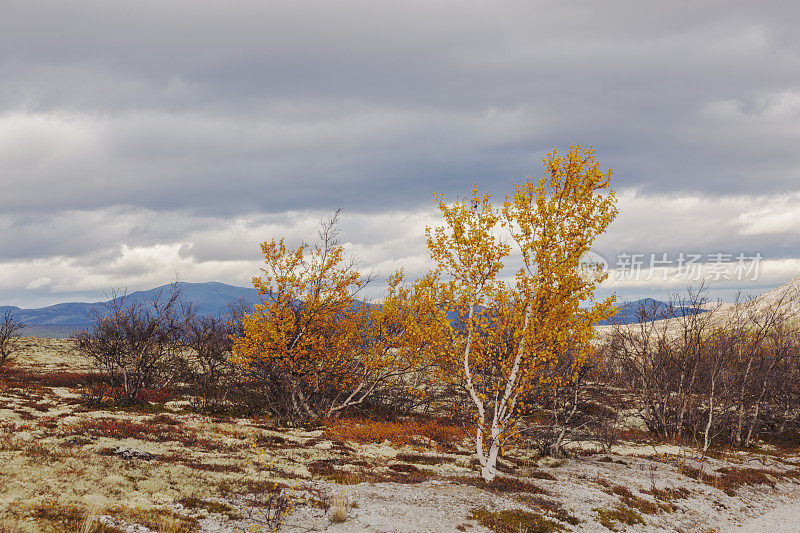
512	333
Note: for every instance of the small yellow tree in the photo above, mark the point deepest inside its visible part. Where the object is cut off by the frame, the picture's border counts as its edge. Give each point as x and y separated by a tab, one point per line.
408	336
298	346
514	332
311	348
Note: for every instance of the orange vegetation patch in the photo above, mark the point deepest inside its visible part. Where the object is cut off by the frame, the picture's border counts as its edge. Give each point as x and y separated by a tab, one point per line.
412	431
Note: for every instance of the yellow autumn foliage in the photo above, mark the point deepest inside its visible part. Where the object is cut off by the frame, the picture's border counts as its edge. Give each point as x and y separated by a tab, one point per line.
311	348
513	332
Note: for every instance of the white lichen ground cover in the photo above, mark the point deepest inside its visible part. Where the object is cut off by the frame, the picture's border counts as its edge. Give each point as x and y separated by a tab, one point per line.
57	468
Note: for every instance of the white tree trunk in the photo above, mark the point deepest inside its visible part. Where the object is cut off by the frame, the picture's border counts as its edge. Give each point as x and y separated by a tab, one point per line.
482	459
489	470
503	410
707	433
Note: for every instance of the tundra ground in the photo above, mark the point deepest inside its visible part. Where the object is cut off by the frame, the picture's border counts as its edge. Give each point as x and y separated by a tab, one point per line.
62	469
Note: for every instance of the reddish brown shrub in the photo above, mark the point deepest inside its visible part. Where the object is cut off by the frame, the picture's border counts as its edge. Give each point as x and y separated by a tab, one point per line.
423	459
157	395
729	479
669	494
125	429
501	484
16	377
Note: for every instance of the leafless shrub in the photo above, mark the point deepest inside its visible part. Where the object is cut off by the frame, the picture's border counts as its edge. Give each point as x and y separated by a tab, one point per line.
659	358
268	508
717	376
608	429
556	418
135	344
210	371
10	329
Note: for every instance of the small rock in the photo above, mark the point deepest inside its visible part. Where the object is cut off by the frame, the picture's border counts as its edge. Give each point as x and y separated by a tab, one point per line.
129	453
77	441
422	440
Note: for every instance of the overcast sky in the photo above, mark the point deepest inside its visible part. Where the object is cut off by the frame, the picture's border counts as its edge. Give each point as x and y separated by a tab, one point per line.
143	139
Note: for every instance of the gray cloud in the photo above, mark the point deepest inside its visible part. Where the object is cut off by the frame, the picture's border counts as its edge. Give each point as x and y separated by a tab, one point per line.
84	253
201	127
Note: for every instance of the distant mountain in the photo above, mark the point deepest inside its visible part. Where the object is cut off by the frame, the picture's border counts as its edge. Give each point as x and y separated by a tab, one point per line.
785	297
61	320
211	298
67	314
630	312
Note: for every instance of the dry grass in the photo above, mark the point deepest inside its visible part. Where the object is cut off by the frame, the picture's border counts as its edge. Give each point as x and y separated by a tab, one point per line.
90	523
730	479
58	470
515	521
201	465
340	508
193	502
52	516
410	432
161	520
501	484
552	508
620	514
55	468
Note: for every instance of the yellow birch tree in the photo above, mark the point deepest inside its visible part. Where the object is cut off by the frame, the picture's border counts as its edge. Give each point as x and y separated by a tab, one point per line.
514	332
312	348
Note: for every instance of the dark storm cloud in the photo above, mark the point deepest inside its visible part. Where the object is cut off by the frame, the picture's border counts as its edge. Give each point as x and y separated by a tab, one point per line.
196	129
269	106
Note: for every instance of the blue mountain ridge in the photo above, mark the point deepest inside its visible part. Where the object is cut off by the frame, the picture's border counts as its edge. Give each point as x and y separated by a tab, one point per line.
213	297
60	320
629	312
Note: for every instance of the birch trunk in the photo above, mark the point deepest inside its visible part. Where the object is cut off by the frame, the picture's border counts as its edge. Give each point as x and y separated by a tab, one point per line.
756	412
502	410
740	421
706	439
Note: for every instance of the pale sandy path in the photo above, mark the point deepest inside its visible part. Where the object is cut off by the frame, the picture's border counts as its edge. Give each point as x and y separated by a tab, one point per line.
785	518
